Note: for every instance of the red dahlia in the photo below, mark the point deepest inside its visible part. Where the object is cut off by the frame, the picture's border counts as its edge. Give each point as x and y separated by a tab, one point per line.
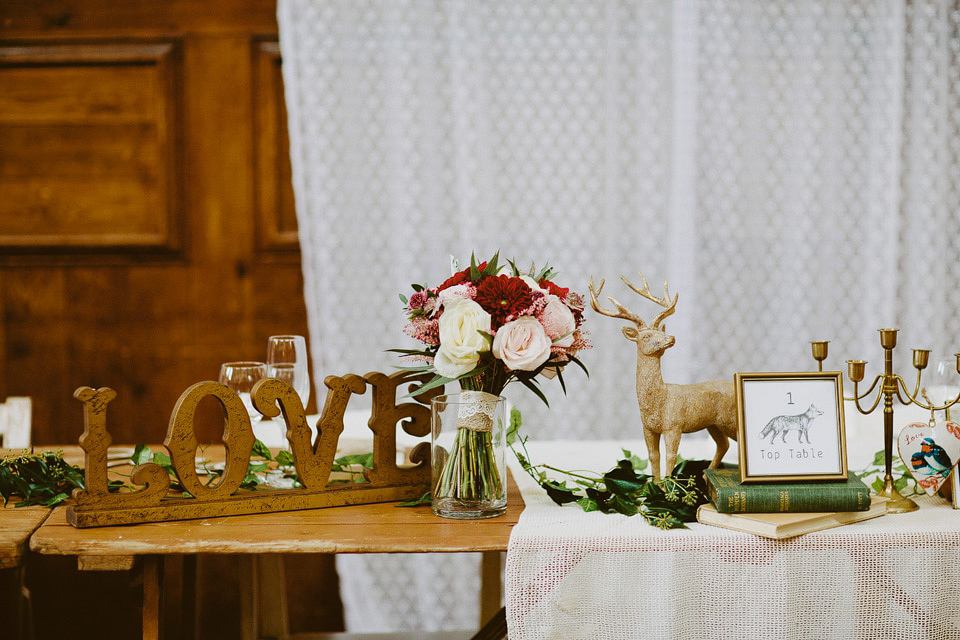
503	296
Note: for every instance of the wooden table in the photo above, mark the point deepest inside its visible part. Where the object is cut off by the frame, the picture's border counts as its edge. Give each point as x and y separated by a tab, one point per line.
16	525
376	528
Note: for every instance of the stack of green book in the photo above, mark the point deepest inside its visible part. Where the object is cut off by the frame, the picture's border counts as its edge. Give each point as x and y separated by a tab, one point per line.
729	495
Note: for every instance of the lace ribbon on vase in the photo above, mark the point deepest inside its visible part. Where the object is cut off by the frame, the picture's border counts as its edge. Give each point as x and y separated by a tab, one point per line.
477	410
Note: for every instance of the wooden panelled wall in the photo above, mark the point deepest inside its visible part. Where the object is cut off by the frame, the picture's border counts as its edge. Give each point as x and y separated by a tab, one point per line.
147	230
147	234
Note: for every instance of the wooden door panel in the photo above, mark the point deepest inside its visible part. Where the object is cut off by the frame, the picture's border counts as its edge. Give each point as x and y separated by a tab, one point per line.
90	153
276	216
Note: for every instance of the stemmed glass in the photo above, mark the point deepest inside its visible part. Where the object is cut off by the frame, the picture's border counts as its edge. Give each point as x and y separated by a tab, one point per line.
944	382
287	361
241	376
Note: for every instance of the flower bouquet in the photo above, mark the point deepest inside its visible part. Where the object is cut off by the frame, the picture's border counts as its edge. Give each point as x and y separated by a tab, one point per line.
486	329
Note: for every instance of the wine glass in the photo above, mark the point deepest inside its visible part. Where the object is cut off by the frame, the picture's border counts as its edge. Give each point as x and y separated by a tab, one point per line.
241	376
944	382
287	361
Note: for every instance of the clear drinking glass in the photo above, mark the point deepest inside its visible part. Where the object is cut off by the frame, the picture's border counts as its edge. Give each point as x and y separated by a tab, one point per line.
944	382
287	361
241	376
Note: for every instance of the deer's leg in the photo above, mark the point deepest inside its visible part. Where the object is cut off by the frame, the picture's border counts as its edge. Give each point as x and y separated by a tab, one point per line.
652	439
672	442
722	445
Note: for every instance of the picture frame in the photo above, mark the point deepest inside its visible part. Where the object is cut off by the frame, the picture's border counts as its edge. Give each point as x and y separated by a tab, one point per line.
790	427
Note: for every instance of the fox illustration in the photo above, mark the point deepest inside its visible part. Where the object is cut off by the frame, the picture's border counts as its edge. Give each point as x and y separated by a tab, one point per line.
783	424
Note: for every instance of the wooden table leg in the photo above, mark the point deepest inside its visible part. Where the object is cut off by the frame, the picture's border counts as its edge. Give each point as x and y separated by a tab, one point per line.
491	584
263	598
179	597
152	588
12	602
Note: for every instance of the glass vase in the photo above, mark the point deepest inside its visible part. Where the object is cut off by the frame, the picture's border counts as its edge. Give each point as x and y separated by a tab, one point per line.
469	465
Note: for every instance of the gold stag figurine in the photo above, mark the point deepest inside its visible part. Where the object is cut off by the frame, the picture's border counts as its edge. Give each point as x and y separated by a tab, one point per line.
671	409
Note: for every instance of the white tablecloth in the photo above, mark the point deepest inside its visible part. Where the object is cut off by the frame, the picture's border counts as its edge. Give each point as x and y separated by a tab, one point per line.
574	575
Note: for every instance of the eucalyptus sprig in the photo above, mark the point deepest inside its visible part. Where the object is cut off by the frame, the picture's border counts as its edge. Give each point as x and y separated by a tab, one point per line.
667	503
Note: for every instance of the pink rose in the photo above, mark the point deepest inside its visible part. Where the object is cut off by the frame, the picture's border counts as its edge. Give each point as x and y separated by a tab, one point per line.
522	344
558	322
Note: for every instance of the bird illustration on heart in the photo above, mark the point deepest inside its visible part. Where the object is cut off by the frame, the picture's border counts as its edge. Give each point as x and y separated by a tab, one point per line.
930	452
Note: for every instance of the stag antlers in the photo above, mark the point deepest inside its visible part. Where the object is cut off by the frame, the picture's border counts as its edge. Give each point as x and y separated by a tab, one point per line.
669	305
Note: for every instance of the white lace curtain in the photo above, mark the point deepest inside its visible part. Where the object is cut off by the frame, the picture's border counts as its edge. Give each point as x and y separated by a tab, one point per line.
792	167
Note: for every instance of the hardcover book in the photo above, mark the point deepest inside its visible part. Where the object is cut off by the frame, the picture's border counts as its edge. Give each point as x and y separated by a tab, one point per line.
729	495
779	526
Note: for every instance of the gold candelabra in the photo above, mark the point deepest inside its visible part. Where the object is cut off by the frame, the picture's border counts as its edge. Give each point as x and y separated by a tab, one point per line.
891	385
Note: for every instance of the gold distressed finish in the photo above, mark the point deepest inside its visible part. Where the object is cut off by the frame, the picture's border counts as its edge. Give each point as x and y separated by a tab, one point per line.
671	410
386	481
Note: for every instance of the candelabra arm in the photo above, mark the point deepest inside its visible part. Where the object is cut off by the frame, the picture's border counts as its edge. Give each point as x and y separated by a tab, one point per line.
916	390
899	382
934	407
857	396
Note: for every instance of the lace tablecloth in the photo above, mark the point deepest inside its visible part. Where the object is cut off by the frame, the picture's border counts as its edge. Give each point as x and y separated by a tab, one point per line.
574	575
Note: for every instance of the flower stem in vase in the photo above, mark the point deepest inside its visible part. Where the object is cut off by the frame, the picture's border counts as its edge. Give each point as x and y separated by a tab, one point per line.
469	483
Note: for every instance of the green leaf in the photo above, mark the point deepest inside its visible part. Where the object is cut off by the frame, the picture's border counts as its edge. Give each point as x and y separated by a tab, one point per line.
437	381
492	268
559	492
284	458
403	299
530	384
365	460
513	431
474	271
879	458
577	362
587	504
260	450
54	500
163	460
424	500
638	463
141	454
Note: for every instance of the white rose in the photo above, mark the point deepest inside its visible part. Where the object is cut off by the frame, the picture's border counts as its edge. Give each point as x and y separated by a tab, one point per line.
558	322
460	339
522	344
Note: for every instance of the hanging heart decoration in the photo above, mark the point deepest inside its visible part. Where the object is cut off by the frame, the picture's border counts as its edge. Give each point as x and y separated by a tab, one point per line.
930	452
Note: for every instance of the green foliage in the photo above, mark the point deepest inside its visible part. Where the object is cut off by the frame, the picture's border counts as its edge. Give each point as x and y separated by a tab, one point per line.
423	501
667	503
873	474
43	478
348	464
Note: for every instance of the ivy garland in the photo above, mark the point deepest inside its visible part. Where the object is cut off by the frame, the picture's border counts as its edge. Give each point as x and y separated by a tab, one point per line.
668	503
45	478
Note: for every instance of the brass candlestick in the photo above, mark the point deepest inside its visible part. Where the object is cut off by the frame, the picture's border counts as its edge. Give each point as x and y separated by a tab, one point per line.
891	385
819	348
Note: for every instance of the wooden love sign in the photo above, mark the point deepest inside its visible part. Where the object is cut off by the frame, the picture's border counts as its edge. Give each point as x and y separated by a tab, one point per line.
96	506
